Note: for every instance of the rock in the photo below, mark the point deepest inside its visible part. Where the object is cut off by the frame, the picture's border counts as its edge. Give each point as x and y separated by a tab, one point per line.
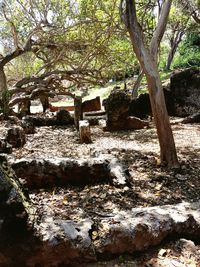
69	242
14	120
62	242
38	121
16	136
117	110
118	172
63	117
182	96
91	105
5	147
136	123
185	89
58	241
195	118
117	106
136	230
41	173
13	214
27	125
140	107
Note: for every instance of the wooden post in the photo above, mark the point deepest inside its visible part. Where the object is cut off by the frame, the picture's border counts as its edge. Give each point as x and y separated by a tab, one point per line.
77	111
84	132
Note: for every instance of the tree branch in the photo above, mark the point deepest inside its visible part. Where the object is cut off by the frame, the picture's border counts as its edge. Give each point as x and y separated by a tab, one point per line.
160	29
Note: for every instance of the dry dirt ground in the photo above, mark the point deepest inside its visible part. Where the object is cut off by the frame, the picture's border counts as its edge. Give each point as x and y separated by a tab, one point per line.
150	185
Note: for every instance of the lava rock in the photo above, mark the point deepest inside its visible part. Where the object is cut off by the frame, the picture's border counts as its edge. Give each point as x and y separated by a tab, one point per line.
16	136
185	89
63	117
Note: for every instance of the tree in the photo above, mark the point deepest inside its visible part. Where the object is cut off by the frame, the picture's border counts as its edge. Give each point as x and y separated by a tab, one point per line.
178	25
189	51
148	61
17	39
154	37
191	8
68	36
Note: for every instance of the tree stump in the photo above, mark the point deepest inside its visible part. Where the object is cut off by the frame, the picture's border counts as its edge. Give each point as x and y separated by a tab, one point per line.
84	131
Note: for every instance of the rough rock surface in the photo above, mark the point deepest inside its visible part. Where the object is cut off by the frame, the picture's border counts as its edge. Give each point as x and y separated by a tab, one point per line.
117	110
67	241
40	173
195	118
182	96
16	136
27	125
185	89
135	123
5	147
76	224
141	106
24	123
62	117
13	214
136	230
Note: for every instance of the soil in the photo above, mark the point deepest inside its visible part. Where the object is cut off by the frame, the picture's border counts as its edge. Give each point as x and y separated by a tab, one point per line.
151	184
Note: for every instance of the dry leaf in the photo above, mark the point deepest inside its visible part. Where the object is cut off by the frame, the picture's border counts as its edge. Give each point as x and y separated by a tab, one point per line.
65	202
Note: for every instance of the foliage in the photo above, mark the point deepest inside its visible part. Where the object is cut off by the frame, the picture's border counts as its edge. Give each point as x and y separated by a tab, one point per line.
83	34
4	102
189	52
67	35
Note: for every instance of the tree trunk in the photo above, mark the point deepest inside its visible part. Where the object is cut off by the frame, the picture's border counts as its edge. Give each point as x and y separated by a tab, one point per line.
44	99
165	136
3	82
4	93
136	85
170	59
174	46
149	65
78	115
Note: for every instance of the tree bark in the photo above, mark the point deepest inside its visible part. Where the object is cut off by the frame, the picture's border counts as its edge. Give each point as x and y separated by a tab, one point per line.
4	93
78	114
136	85
163	14
3	81
170	59
149	66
